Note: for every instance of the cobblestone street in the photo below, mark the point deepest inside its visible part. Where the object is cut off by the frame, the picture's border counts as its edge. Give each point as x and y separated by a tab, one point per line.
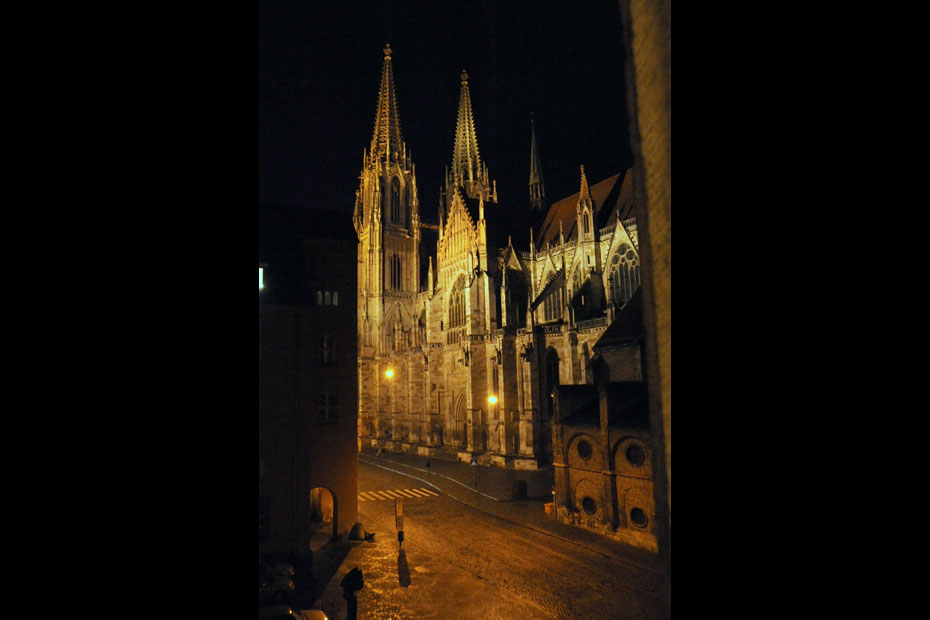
466	555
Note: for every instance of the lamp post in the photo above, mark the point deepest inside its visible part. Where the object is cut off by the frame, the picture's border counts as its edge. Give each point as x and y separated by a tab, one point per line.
492	402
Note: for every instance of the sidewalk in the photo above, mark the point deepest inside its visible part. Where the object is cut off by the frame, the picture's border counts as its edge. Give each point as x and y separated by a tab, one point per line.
491	490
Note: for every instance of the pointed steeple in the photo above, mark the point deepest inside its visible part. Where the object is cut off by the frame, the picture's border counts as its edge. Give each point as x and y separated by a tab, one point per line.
584	196
466	164
468	171
585	211
386	139
537	186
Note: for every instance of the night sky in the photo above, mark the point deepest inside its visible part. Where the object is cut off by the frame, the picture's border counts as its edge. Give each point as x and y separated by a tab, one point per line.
319	72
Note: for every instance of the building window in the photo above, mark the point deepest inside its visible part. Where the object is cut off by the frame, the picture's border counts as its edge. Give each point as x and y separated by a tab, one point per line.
638	517
395	272
635	455
624	275
319	298
335	298
589	505
327	350
584	449
327	298
261	278
457	304
327	408
552	307
395	200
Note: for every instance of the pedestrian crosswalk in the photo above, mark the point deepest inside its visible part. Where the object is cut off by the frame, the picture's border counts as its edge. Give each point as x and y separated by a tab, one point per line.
370	496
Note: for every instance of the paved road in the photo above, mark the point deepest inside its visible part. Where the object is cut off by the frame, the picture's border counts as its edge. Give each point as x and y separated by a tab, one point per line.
459	562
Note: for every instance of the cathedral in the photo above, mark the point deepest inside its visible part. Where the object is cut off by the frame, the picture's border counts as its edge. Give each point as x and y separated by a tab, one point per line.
462	349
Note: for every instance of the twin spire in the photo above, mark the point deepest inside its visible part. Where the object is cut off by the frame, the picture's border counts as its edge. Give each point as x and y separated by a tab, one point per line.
387	139
466	164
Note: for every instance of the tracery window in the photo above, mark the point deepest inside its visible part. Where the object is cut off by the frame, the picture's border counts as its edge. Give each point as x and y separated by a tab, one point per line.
457	304
624	275
552	306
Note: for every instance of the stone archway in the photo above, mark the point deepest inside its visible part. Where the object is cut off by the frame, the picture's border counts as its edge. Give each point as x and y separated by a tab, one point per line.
324	522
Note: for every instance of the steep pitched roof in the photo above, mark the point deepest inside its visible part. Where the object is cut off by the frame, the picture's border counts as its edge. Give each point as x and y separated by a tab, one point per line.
613	200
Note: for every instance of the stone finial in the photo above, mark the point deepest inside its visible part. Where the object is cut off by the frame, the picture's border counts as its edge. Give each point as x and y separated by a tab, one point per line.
387	51
464	77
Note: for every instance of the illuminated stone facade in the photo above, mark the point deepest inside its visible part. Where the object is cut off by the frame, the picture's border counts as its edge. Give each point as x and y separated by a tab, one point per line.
488	318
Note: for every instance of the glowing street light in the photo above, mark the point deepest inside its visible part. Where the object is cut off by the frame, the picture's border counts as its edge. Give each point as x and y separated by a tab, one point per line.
492	399
388	373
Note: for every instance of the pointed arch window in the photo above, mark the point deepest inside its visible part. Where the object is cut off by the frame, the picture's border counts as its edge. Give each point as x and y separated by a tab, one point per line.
395	200
457	304
552	307
624	275
396	279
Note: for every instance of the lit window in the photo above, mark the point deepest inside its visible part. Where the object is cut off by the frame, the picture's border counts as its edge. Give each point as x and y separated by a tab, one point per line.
335	298
327	300
319	298
261	281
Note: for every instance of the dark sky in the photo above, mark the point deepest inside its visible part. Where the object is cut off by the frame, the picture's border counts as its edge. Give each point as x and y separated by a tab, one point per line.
319	72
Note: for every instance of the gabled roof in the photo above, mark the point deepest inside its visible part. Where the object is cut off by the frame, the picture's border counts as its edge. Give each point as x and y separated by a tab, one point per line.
613	200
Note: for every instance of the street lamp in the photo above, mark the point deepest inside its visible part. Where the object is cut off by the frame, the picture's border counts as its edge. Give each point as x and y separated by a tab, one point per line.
389	373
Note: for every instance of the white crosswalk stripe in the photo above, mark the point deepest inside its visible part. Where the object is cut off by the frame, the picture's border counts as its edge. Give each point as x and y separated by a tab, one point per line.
370	496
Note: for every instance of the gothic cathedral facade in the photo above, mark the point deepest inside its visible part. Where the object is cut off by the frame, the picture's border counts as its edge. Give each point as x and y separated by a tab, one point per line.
461	355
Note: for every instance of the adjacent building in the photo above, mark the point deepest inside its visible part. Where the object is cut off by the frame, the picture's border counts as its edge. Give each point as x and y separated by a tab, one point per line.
308	395
602	441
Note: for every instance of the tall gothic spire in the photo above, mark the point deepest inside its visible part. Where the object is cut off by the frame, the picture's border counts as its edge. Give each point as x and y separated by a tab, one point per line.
537	186
466	165
386	138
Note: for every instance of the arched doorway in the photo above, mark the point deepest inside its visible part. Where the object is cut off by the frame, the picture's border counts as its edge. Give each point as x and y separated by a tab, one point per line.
323	521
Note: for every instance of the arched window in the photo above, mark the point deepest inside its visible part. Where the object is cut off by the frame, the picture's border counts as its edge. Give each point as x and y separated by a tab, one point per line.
335	298
457	304
396	280
587	223
326	298
552	306
624	275
395	200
